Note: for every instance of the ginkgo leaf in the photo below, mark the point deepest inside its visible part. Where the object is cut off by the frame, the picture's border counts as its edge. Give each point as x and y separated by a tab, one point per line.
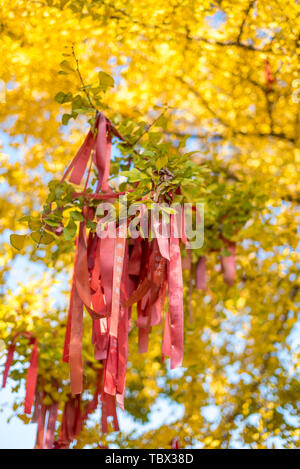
17	241
105	80
42	237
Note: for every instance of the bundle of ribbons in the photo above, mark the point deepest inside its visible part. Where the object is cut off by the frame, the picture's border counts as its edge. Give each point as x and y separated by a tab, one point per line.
111	274
74	413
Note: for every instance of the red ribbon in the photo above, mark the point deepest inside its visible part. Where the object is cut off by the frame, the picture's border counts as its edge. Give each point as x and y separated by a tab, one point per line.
175	287
41	417
71	423
102	145
229	263
108	410
201	273
32	370
269	76
123	330
175	443
102	153
50	431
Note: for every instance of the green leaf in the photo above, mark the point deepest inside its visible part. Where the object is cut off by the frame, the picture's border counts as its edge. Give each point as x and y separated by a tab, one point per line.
26	218
76	216
42	238
59	97
77	101
106	81
62	97
161	162
148	153
169	210
65	118
91	224
155	137
190	153
35	224
226	253
84	110
17	241
66	65
134	175
52	222
70	230
162	121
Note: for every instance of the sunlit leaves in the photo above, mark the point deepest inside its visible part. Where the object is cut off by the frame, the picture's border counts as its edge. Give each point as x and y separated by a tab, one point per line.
105	80
17	241
42	237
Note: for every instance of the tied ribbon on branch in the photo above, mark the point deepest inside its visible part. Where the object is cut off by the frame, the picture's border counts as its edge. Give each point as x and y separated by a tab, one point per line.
110	275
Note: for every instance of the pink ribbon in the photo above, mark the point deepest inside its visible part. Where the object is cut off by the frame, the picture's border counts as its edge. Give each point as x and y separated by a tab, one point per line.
175	286
32	370
201	273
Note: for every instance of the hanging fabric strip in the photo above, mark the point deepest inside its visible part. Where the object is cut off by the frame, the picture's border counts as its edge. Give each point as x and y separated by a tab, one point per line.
175	288
92	405
139	293
228	263
269	76
166	345
9	359
135	257
102	152
156	311
31	377
82	276
191	287
66	352
98	300
161	237
71	423
107	249
101	156
36	409
80	161
50	431
175	443
75	357
82	282
32	370
109	410
201	273
40	434
123	335
117	276
111	368
101	345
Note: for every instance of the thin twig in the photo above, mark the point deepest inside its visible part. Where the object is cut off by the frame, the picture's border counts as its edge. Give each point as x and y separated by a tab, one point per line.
149	126
81	79
247	12
113	128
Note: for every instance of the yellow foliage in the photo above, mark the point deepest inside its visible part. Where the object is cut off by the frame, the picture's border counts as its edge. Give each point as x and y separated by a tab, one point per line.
207	61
